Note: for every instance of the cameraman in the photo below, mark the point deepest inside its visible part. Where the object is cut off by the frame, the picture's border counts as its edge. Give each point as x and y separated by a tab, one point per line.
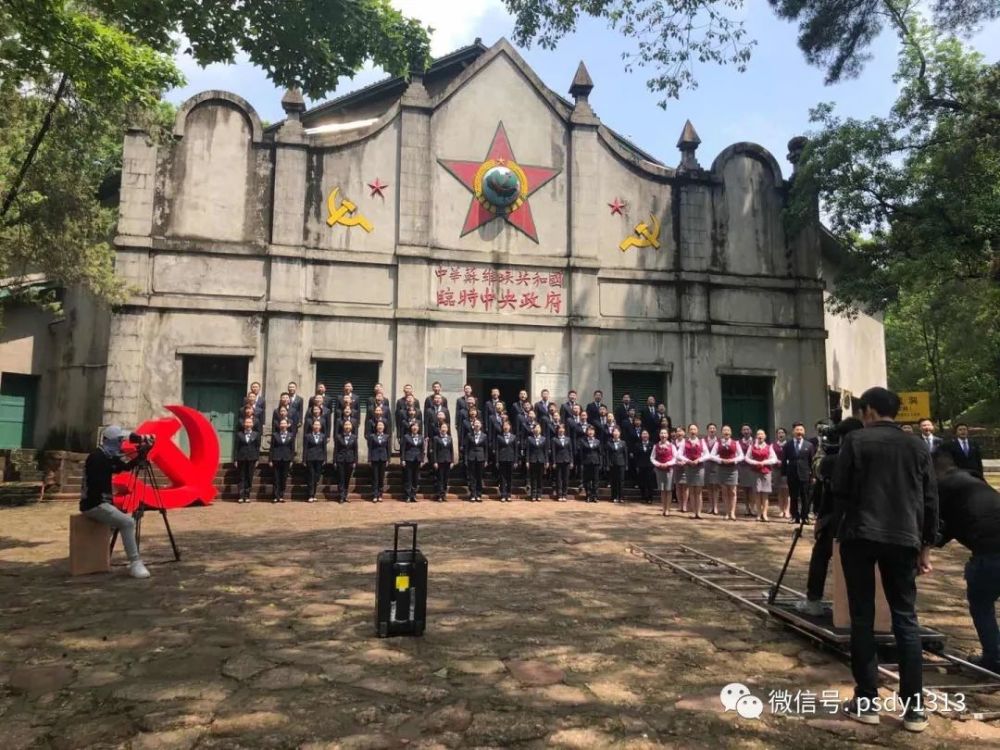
819	562
970	513
96	494
886	503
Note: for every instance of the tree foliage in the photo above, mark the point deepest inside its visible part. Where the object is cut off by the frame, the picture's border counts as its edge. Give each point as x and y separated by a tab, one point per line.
75	73
671	36
914	197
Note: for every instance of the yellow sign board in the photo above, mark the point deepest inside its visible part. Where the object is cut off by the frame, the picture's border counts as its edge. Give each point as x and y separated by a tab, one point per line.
914	406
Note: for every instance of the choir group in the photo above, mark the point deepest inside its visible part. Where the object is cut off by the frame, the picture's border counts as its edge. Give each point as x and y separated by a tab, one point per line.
563	445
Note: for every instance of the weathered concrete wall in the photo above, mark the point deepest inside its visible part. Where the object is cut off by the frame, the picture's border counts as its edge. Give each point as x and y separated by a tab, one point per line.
229	265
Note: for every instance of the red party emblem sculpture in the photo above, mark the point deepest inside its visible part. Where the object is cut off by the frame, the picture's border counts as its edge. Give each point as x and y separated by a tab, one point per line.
191	476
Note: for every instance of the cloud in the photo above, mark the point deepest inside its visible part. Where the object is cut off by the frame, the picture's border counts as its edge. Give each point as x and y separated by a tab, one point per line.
454	21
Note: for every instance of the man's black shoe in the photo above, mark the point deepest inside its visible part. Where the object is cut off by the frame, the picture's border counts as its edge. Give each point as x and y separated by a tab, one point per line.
914	720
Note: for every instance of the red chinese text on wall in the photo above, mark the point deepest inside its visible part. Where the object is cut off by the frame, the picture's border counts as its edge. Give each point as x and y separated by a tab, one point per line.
499	290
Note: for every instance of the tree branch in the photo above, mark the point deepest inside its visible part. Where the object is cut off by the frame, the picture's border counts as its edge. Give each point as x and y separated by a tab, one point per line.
43	129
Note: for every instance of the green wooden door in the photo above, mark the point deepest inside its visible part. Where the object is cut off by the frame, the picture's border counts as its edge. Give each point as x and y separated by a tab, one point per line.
216	386
746	399
18	399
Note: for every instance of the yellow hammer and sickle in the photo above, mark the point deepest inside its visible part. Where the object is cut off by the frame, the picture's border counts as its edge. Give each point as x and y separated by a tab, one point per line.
344	213
645	238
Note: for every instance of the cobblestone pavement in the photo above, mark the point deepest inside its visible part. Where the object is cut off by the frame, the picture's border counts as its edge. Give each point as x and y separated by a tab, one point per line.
543	631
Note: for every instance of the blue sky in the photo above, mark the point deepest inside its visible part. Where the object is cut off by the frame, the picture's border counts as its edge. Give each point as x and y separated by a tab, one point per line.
768	104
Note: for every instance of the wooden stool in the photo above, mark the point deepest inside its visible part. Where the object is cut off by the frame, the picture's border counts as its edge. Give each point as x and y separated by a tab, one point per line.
89	546
841	610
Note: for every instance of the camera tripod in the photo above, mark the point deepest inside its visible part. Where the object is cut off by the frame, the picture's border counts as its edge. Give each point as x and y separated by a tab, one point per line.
141	470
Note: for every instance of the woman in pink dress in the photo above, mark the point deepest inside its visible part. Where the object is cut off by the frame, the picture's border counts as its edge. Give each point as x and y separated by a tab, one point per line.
728	456
760	458
712	467
663	460
695	454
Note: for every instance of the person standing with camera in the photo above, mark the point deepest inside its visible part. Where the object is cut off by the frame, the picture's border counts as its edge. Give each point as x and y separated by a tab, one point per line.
96	494
886	506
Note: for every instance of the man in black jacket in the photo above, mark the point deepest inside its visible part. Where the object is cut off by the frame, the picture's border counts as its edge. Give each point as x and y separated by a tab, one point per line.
885	499
970	513
96	494
796	465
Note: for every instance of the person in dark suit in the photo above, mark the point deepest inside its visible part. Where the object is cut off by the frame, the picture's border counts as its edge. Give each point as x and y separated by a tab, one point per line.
346	458
967	455
248	413
377	398
506	452
327	398
475	460
435	392
650	417
442	455
314	455
491	404
494	426
591	457
412	454
602	430
247	456
616	453
258	400
375	417
566	410
401	401
348	392
562	462
642	455
542	406
594	407
430	415
796	466
281	455
622	410
378	456
928	437
296	407
317	413
537	454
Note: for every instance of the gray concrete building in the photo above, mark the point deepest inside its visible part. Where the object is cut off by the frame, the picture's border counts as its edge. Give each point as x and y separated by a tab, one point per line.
467	225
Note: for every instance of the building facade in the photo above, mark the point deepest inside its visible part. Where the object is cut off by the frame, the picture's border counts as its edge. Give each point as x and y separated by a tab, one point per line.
468	225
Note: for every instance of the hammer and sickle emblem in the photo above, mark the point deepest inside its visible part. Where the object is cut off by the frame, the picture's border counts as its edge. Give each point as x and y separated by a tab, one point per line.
344	213
192	477
644	236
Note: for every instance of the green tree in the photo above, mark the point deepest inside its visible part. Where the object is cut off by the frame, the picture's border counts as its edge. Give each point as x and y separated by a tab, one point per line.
671	37
914	196
75	73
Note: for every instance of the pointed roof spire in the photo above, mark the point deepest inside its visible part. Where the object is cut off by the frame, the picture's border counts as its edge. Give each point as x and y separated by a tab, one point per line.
293	103
582	84
689	137
688	143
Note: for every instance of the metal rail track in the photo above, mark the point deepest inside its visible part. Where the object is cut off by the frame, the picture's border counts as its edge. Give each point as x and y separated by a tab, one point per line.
751	590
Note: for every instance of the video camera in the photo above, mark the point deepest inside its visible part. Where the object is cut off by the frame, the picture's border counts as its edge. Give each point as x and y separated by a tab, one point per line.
143	442
830	433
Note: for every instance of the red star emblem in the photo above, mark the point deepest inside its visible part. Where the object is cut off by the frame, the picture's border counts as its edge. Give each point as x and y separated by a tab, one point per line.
483	210
617	206
377	187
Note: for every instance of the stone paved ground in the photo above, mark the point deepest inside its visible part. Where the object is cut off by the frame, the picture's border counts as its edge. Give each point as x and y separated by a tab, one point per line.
543	632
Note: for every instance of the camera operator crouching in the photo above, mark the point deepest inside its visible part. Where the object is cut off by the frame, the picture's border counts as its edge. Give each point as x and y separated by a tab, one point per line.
96	494
886	507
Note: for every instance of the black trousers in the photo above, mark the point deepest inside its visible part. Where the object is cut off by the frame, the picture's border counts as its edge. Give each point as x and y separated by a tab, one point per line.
590	472
411	479
378	478
315	469
798	491
246	477
647	482
506	470
441	479
345	470
982	578
536	471
280	478
475	471
617	481
819	563
898	567
561	479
